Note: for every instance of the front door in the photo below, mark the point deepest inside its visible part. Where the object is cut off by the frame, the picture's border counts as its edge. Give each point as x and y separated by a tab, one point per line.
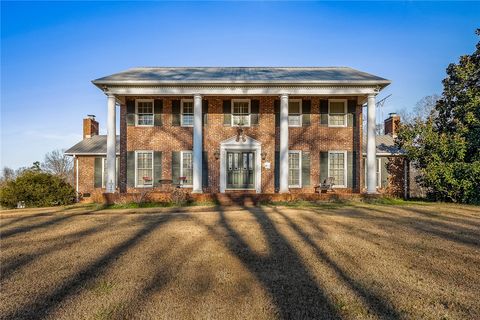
240	170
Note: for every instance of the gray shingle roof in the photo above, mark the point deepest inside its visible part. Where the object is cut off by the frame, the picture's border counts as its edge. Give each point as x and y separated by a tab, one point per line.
385	145
92	146
198	75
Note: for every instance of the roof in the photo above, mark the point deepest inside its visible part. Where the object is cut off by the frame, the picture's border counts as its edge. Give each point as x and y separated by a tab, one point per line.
92	146
385	145
239	75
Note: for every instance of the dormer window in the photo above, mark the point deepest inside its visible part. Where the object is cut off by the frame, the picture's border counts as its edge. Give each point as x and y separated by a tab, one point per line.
241	113
144	112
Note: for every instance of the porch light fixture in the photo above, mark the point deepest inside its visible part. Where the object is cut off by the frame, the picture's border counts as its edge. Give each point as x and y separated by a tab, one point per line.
264	155
216	154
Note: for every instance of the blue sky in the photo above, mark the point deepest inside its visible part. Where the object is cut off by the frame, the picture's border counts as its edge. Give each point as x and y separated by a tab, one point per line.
50	51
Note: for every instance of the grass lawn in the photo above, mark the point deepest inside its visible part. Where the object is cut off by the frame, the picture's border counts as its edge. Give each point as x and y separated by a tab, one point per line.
354	261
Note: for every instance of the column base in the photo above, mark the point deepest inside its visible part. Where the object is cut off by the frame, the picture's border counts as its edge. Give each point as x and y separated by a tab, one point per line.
197	191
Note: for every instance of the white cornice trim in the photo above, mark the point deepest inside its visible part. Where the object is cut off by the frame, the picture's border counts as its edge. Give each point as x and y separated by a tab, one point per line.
242	90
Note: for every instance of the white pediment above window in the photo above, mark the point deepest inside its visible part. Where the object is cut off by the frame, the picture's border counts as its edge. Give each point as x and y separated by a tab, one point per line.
236	141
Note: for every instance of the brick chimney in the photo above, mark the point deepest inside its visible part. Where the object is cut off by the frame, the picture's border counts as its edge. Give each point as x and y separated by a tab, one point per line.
391	124
90	126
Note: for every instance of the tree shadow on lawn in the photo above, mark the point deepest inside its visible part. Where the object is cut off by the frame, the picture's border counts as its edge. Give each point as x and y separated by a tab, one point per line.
41	308
282	273
377	304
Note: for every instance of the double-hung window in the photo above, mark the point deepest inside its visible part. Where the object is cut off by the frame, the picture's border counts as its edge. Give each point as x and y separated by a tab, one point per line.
337	167
186	167
295	113
378	171
104	171
337	113
294	169
241	113
187	113
144	168
144	112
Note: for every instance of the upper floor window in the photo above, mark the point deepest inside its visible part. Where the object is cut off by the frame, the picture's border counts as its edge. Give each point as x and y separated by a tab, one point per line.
294	169
241	113
144	112
187	113
295	113
144	168
186	167
337	167
337	113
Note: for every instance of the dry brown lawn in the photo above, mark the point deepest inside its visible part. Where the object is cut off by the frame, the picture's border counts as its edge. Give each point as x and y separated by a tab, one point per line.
358	261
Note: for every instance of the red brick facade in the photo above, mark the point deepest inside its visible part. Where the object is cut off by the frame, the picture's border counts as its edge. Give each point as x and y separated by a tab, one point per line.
314	138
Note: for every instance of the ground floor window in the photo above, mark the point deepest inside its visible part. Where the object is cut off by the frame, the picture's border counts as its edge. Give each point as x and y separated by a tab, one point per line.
337	167
294	168
144	168
186	167
104	171
378	164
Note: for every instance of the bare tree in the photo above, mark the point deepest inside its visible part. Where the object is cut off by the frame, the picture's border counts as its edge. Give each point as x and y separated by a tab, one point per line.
7	174
57	163
422	111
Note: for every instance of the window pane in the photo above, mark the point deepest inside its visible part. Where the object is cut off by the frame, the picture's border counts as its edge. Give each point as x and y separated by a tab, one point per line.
293	120
294	169
144	169
337	120
240	114
187	167
337	168
337	107
294	107
187	107
187	120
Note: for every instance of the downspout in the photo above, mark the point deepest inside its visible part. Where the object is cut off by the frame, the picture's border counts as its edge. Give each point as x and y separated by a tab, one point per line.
75	159
406	181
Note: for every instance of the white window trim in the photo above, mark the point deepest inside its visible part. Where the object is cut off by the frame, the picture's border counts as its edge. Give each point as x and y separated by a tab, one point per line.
136	112
249	111
345	175
104	167
299	169
181	167
379	164
301	112
136	169
344	109
181	112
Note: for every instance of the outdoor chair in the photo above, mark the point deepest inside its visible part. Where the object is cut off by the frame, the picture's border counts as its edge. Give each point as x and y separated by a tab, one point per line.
326	185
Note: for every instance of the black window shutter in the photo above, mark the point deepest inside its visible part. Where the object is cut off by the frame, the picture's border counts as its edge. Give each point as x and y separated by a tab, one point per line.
176	167
98	172
305	168
227	113
204	169
157	110
276	172
205	112
254	112
130	112
306	111
157	168
351	118
324	113
276	110
350	172
175	113
131	169
323	166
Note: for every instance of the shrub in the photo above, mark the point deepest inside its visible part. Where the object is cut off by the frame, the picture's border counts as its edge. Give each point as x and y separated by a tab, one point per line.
36	189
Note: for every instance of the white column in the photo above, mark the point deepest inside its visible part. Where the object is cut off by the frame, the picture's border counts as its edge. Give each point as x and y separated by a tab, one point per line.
284	143
371	148
111	141
197	144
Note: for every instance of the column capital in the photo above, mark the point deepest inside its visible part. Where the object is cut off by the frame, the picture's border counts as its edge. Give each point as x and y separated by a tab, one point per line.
284	95
197	95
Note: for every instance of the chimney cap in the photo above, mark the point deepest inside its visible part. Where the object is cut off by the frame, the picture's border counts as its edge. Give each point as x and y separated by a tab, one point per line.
392	114
91	116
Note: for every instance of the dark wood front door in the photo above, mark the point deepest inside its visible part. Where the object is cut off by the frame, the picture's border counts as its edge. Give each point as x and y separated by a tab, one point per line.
240	170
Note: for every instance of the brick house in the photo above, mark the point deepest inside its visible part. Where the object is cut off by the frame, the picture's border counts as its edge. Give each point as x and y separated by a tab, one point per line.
221	130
